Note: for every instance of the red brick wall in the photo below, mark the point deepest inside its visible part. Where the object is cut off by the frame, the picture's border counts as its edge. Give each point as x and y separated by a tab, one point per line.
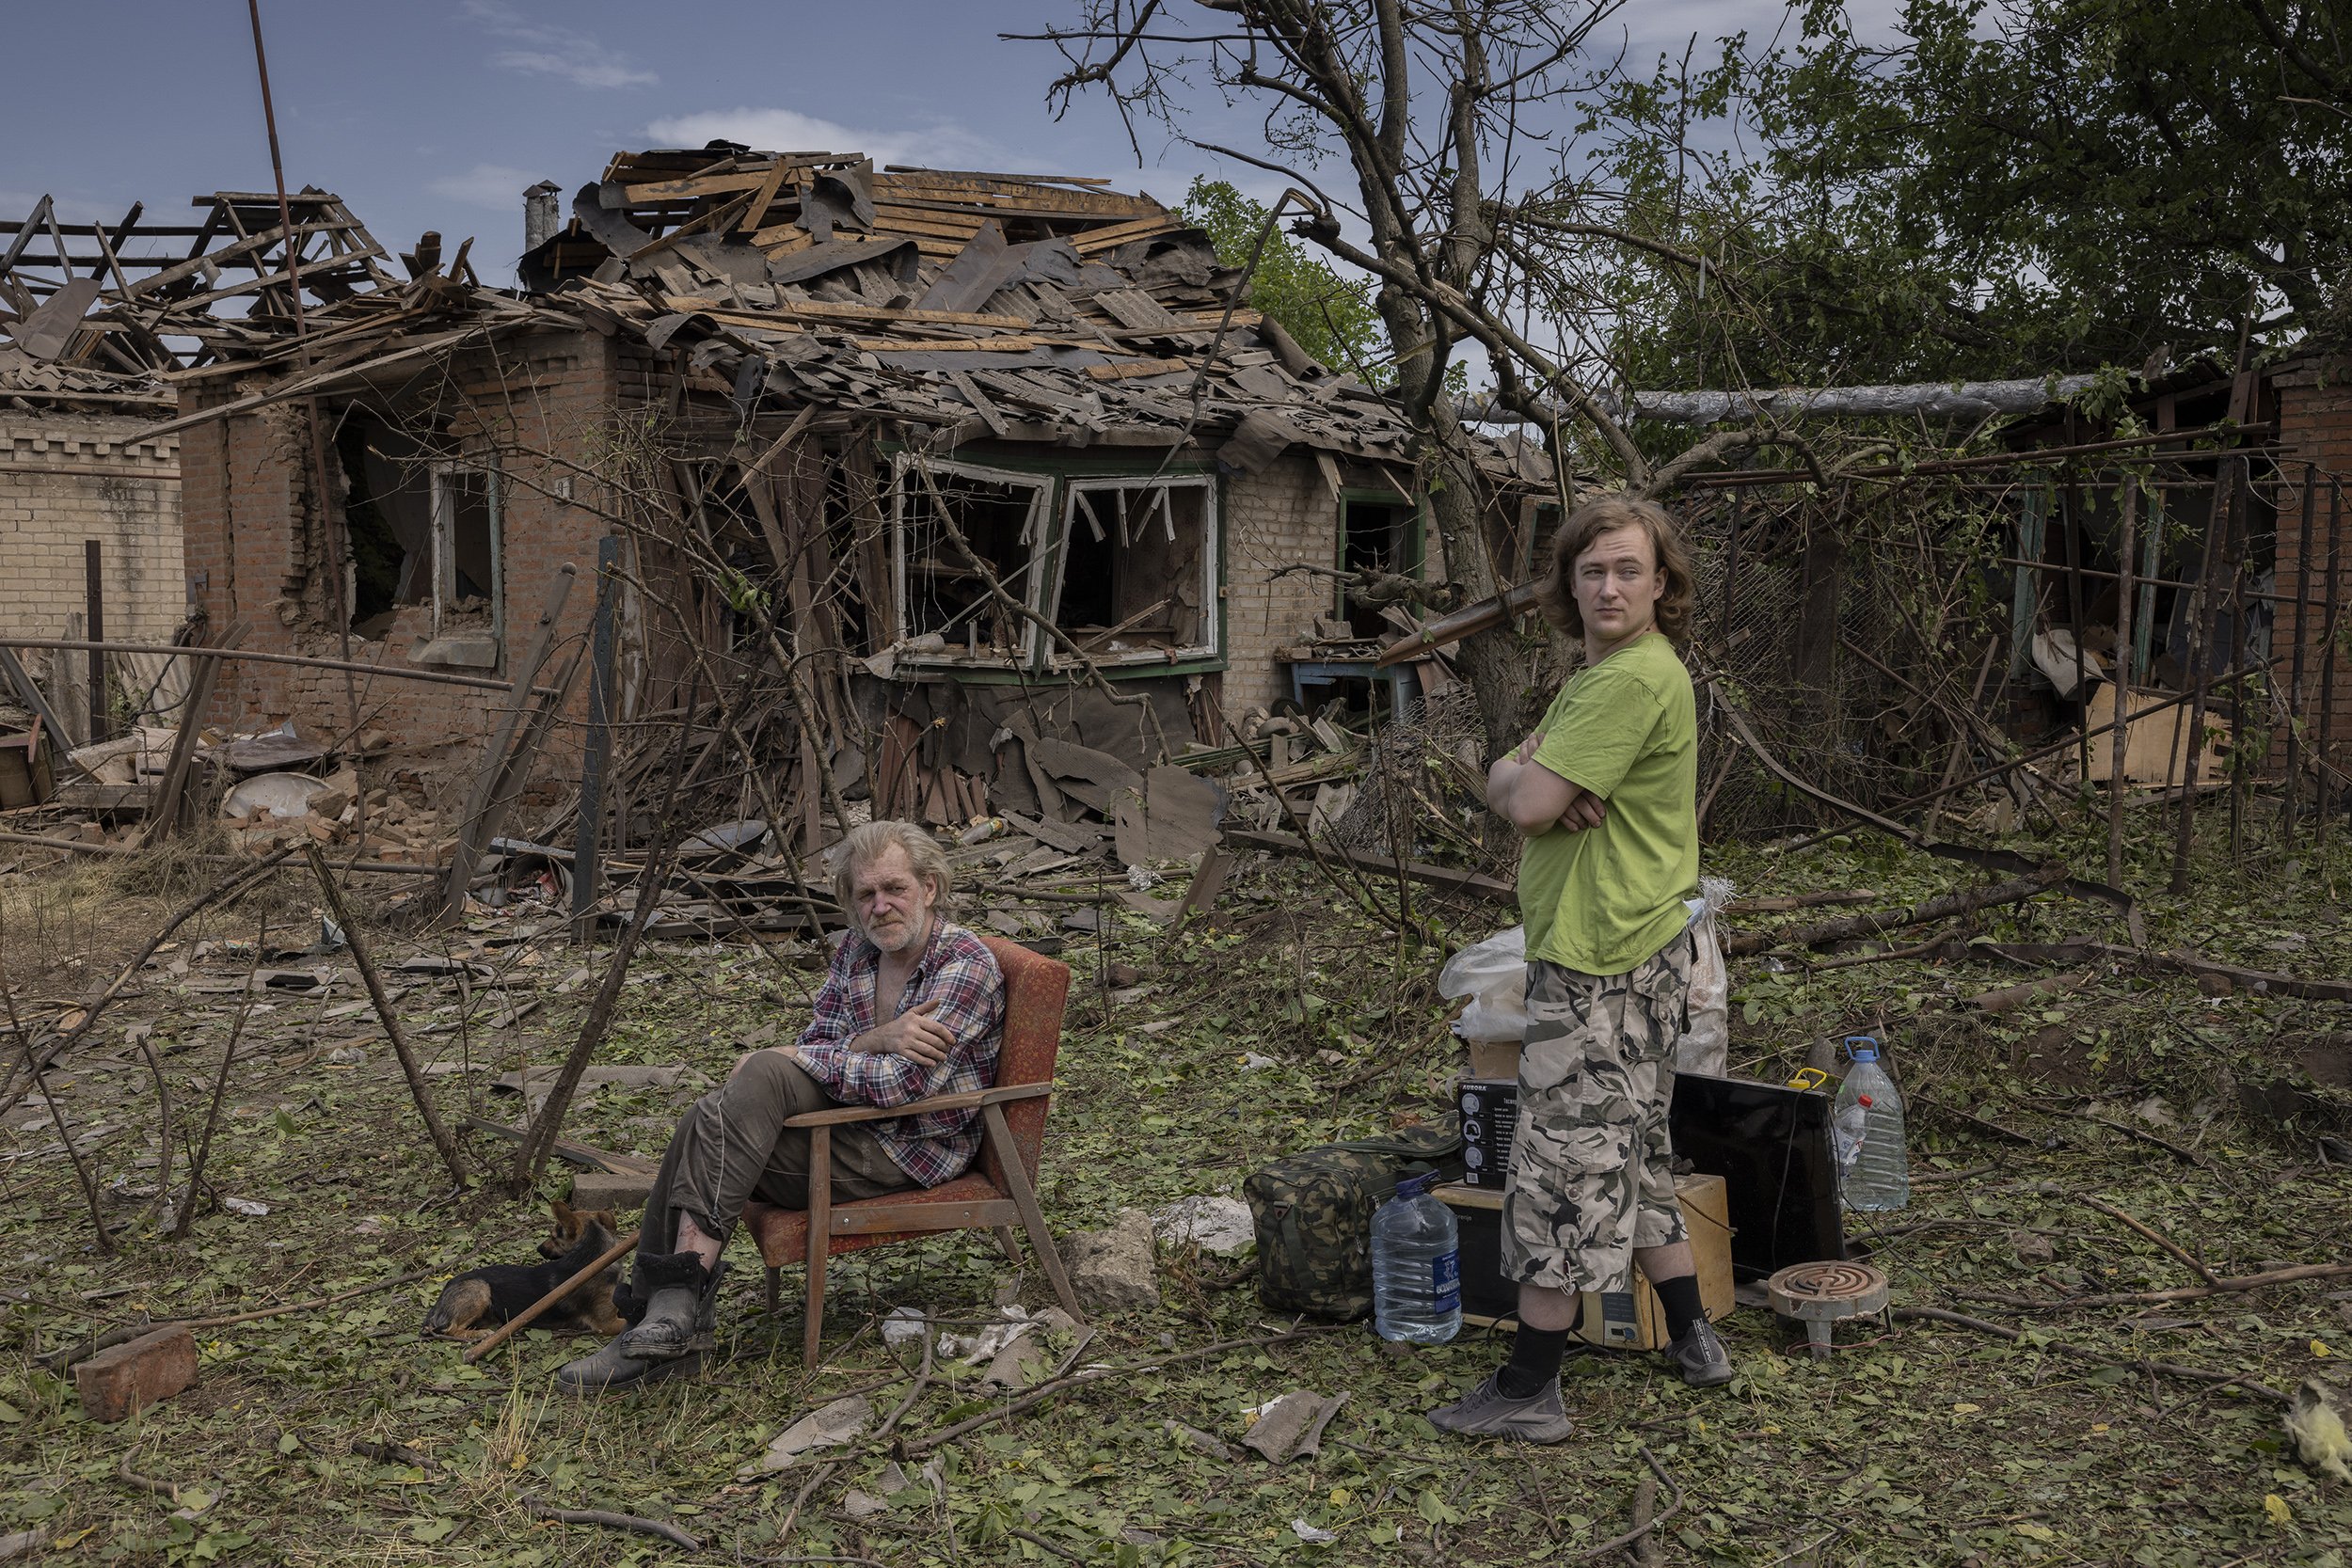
254	552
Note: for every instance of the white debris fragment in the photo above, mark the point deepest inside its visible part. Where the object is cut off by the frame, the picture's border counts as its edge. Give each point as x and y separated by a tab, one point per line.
828	1427
1214	1222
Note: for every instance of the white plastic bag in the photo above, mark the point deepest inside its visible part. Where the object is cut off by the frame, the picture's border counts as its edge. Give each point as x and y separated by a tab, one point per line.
1493	974
1705	1048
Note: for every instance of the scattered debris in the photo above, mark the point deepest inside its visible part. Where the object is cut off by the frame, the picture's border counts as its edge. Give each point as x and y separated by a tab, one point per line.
828	1427
1116	1267
1211	1222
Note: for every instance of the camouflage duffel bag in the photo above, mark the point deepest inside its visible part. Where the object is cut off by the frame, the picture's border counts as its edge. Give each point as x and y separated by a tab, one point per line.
1313	1215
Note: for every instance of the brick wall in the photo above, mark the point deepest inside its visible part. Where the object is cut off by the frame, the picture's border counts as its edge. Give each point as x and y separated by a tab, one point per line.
255	552
2315	426
1282	514
67	478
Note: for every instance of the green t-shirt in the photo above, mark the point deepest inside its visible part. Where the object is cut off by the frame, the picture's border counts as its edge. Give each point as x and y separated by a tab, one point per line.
1604	900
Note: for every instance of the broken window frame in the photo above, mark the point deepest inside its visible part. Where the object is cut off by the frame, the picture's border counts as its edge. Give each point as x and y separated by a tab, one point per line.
1159	508
906	480
443	507
1415	540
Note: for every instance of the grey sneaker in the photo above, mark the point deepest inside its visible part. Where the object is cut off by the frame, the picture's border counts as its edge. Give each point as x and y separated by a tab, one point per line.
1704	1361
1485	1411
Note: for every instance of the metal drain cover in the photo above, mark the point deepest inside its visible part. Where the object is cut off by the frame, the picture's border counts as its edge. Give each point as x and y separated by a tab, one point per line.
1819	1294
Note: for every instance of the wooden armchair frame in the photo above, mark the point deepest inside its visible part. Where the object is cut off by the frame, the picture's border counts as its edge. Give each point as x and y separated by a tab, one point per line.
997	1193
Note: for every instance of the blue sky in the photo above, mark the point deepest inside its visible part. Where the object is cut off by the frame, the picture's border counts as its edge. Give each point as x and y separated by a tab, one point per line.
435	113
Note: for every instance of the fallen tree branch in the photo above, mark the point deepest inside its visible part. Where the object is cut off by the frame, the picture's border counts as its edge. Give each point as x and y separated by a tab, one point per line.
1916	950
227	890
2178	961
2163	1242
443	1142
2225	1285
609	1520
539	1138
1876	923
129	1332
2168	1369
1059	1384
1641	1531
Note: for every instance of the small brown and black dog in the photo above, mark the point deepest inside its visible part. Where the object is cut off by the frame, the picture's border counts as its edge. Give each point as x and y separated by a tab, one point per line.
479	1299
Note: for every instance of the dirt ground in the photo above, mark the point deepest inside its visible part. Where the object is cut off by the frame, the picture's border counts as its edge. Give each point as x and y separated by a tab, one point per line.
338	1433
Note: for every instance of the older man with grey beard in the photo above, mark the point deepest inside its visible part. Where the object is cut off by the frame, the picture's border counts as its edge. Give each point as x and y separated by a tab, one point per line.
913	1006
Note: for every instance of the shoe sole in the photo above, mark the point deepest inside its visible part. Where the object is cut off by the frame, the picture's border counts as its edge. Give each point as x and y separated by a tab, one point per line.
1520	1434
656	1371
1716	1381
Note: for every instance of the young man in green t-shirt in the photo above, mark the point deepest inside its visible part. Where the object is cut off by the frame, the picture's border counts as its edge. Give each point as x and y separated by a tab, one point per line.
1605	794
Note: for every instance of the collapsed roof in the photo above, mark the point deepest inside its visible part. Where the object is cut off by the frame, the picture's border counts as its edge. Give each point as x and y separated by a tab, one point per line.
1016	306
96	315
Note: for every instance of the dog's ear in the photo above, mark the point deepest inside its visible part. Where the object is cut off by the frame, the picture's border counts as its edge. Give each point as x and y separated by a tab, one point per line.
609	1218
564	1218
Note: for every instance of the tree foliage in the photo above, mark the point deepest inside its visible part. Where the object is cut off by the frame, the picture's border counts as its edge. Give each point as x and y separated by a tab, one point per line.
1330	316
1999	190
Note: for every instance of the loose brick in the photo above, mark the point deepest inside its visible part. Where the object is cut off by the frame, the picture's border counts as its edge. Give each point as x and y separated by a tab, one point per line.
116	1382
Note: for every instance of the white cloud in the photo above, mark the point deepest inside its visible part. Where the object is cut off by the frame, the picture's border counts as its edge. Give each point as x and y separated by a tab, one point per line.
944	145
498	187
576	57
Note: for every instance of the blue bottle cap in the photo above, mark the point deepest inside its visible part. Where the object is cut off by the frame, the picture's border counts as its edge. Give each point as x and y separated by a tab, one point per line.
1413	1186
1862	1048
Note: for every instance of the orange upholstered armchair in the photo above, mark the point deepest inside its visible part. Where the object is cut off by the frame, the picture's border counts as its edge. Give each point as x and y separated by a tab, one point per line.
998	1192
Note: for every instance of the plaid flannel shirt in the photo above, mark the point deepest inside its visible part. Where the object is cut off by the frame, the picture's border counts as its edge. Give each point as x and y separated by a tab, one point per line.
959	972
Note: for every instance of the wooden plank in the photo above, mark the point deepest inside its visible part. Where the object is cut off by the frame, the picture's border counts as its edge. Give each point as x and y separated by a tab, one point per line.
1008	343
1134	368
871	1216
708	184
1466	883
830	310
1095	240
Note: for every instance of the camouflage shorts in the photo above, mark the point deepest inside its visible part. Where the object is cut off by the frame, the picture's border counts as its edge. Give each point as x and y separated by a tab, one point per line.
1591	1168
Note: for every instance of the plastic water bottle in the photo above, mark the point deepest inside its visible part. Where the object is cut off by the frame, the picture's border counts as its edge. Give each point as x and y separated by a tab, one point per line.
1880	1178
1847	1130
1416	1267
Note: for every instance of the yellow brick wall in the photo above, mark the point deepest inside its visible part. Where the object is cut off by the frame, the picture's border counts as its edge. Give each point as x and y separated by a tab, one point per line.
67	478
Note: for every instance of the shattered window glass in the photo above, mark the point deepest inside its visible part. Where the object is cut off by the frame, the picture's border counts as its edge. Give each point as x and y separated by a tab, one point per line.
956	526
1136	581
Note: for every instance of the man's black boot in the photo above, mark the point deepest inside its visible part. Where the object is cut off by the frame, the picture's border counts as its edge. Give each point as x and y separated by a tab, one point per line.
680	1309
612	1369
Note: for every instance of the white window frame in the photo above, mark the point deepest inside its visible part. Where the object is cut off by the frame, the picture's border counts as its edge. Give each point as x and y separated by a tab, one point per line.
444	513
1040	487
1156	513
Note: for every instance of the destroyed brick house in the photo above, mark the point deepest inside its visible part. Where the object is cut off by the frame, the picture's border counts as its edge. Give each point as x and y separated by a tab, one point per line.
978	457
89	508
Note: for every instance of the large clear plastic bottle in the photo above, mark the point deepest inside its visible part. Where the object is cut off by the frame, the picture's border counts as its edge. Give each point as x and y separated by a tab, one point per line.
1846	1133
1881	1176
1416	1267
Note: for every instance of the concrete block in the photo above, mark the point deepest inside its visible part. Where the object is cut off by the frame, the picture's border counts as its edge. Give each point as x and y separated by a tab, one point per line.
595	1189
115	1383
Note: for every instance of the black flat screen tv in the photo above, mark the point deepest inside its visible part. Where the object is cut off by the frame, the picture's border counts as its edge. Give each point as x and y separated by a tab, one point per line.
1771	1143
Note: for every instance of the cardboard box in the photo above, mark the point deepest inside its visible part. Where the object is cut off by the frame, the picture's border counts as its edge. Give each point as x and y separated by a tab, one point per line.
1490	1119
1613	1319
1494	1059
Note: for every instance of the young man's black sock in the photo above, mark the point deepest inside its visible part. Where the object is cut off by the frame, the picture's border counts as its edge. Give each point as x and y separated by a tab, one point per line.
1535	1355
1681	1298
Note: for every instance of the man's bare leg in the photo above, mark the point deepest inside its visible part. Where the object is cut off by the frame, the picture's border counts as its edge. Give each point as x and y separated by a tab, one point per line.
1657	1263
1548	1310
705	1248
